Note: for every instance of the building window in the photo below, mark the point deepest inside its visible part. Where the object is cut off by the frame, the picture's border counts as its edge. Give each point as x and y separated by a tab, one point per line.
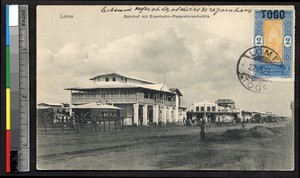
107	93
208	108
114	79
107	79
118	93
98	94
202	108
130	93
197	108
113	93
145	95
213	108
151	96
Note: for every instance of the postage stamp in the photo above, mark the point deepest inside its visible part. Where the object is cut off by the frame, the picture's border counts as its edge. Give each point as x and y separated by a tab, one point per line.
273	29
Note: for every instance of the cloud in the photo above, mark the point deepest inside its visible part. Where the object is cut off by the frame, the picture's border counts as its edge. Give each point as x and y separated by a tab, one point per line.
200	64
144	56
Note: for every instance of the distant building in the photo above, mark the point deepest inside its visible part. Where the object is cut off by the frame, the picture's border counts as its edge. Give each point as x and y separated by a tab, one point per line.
263	117
247	115
57	107
214	112
143	102
43	109
226	103
223	110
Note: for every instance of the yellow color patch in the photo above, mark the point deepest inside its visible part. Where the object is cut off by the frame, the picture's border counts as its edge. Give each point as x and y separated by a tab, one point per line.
7	109
273	36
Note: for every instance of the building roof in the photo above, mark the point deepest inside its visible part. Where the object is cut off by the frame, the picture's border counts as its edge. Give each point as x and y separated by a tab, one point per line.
225	101
182	107
115	85
249	112
204	103
121	75
263	113
144	84
43	107
50	104
156	87
176	90
99	106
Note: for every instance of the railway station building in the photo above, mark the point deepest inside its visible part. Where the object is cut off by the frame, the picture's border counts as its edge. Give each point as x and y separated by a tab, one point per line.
143	102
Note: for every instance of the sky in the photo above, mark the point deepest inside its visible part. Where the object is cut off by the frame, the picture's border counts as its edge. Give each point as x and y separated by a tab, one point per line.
201	54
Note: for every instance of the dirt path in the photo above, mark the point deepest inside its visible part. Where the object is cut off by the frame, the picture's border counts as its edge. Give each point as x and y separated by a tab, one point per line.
177	148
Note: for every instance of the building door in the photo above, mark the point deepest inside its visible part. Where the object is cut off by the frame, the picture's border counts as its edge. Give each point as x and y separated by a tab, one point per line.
140	119
150	114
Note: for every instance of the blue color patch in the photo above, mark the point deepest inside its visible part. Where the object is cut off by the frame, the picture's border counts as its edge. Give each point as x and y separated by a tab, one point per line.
7	41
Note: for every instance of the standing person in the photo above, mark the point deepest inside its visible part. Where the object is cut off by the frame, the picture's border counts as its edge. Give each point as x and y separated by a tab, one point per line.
243	124
72	122
233	122
81	120
95	119
77	119
202	127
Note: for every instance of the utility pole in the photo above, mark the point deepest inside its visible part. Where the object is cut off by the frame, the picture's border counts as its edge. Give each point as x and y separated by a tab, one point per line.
164	74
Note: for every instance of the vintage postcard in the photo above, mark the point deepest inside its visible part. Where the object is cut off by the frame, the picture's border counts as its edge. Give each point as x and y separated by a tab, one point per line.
165	87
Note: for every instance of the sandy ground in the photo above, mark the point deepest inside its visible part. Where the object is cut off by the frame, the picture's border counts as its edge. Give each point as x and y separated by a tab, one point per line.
165	148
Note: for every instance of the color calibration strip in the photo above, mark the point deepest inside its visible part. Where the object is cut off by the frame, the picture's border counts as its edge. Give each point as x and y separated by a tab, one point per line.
7	53
17	89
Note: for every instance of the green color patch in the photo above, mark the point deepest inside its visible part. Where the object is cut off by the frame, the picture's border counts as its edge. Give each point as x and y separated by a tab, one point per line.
7	67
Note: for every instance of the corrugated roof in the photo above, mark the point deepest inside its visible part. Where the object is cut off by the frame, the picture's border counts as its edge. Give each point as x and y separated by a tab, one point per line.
157	87
50	104
117	85
225	101
176	90
126	76
205	102
43	107
96	106
247	111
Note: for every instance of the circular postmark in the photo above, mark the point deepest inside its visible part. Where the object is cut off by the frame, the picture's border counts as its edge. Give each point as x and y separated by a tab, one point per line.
253	68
